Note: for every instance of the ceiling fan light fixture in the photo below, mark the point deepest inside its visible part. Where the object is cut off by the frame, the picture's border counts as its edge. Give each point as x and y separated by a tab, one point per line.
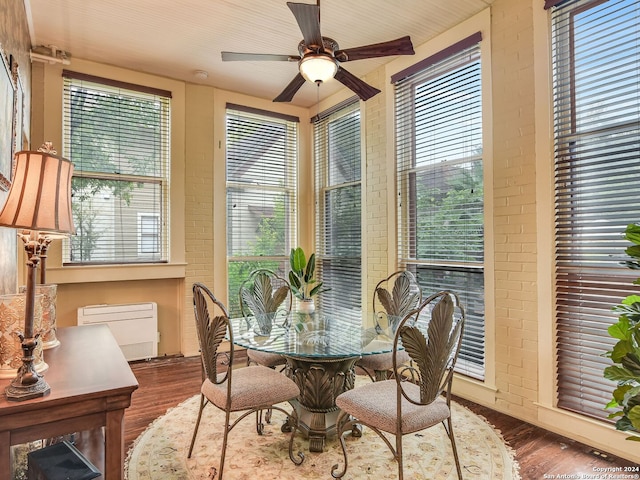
318	67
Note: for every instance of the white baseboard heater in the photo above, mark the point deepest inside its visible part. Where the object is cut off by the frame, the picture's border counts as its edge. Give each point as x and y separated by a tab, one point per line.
134	326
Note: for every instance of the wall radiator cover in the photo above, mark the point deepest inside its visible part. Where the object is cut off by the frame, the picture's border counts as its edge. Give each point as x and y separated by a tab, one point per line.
134	326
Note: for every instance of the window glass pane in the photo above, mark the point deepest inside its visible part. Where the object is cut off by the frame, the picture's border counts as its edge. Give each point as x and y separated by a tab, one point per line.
448	117
342	230
469	285
116	132
449	212
344	149
105	214
257	222
149	234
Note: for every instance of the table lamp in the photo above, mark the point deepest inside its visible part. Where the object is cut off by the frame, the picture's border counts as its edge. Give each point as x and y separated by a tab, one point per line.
39	206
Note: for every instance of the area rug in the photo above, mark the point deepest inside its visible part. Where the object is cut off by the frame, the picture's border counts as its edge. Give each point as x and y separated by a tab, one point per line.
160	453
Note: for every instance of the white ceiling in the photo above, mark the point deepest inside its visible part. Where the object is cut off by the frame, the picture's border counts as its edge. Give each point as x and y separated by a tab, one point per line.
176	38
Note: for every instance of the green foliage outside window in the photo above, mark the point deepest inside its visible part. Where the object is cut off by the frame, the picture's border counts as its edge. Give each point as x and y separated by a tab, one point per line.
449	212
271	241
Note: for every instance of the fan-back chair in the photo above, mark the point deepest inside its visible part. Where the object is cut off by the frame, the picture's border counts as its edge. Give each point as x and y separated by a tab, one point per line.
247	389
431	335
391	306
258	298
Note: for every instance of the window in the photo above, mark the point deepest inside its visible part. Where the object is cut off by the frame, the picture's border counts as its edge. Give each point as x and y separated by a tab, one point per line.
596	66
338	197
117	136
261	159
148	234
440	184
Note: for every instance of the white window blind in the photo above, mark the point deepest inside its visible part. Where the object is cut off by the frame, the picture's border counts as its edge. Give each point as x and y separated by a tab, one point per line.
337	143
117	136
261	160
596	67
440	184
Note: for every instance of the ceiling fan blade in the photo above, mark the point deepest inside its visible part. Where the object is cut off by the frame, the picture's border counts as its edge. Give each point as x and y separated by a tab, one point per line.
233	56
360	87
291	89
308	18
399	46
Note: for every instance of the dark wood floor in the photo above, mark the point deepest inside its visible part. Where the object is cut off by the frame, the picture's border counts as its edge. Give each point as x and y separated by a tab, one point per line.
164	383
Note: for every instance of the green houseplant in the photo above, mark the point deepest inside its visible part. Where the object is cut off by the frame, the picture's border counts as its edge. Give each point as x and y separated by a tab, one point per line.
301	276
625	355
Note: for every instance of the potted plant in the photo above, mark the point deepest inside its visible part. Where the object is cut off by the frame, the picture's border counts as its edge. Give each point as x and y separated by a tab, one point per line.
626	352
303	286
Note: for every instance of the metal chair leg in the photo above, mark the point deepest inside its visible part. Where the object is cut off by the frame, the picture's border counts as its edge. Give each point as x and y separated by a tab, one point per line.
195	430
224	444
293	418
398	454
453	446
259	424
341	423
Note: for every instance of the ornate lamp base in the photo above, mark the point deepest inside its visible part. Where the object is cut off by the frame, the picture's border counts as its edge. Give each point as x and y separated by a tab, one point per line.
28	383
18	392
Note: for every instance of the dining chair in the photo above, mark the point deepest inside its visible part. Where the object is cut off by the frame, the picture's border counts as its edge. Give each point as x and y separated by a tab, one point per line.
431	335
247	389
393	305
258	298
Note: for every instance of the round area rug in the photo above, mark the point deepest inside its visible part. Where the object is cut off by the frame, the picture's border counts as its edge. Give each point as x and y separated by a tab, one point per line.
160	453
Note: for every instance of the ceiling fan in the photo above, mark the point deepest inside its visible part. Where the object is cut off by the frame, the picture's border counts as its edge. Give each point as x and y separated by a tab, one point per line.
320	57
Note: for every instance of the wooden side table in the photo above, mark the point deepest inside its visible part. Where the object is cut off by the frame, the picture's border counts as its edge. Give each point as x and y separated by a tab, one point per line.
91	386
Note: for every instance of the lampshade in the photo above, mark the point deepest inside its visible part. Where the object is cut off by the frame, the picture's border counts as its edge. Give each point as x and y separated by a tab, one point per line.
39	206
318	67
40	195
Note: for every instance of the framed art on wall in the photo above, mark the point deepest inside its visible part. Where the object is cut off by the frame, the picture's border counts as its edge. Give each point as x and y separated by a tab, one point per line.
7	92
18	110
8	238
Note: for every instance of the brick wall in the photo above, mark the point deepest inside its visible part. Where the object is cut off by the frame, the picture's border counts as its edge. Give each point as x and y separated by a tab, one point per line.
199	225
513	215
376	215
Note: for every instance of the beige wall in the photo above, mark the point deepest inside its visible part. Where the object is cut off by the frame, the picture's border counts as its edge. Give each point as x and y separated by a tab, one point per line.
519	210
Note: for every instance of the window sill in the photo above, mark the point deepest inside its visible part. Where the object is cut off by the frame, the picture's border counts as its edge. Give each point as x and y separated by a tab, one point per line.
115	273
475	390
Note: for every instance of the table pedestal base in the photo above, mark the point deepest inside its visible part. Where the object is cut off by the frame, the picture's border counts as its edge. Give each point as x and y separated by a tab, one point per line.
320	381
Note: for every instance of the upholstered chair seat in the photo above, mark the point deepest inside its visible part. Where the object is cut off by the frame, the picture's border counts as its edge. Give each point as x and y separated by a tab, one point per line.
266	359
376	404
252	386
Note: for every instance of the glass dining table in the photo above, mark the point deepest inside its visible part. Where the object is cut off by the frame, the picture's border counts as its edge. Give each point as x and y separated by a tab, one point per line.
321	350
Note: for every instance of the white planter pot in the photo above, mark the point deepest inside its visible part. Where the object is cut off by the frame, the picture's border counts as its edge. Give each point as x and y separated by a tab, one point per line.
306	306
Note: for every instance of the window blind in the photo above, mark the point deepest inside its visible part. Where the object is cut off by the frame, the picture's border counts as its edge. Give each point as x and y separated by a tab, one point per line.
118	137
596	66
261	159
440	185
337	144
